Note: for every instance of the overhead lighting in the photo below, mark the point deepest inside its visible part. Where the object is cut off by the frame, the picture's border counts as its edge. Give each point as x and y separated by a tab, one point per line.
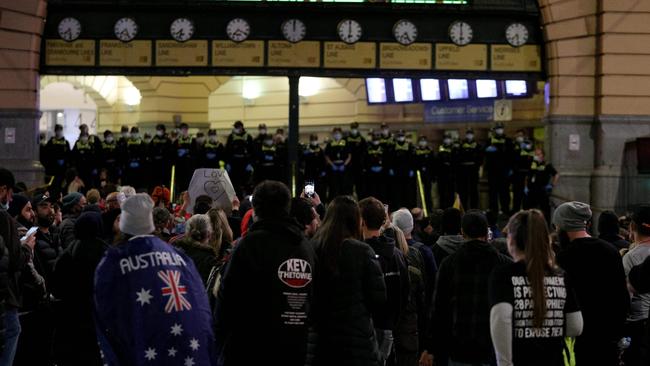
131	96
251	89
308	86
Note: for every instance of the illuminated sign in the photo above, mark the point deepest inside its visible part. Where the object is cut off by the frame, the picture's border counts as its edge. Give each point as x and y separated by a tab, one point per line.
452	57
243	54
286	54
508	58
118	53
340	55
183	54
78	53
416	56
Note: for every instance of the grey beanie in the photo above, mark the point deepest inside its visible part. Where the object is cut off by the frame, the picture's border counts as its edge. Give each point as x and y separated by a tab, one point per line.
572	216
137	215
403	219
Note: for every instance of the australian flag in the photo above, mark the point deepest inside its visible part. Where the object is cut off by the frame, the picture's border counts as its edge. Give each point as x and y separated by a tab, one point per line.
151	307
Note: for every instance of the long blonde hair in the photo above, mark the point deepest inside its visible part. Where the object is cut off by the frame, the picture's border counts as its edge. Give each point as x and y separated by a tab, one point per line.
400	239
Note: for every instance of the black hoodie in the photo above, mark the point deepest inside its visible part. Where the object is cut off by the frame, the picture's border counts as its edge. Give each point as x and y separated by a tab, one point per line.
265	295
395	270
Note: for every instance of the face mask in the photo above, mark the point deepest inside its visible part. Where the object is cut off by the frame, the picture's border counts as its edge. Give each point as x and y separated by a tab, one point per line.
520	139
160	133
499	131
385	132
236	131
59	134
446	141
84	139
45	221
4	206
263	131
268	142
423	143
354	132
538	158
200	140
109	139
469	136
401	139
313	143
375	142
213	138
528	146
125	135
337	136
135	136
184	132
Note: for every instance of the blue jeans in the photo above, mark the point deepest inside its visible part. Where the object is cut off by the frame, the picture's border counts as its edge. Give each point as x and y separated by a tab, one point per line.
12	331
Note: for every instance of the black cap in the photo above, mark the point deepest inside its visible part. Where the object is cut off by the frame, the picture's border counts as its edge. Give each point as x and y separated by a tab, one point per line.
7	178
183	125
238	124
125	128
212	132
354	125
279	131
83	126
447	134
147	134
423	138
42	198
499	125
58	127
135	129
384	125
400	133
261	126
200	134
161	126
313	137
336	129
107	132
469	130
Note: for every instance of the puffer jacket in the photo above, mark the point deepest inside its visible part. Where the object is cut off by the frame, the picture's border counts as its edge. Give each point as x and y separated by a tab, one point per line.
445	246
345	298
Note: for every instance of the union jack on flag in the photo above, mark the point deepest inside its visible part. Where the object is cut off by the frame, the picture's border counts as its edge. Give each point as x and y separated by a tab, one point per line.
175	291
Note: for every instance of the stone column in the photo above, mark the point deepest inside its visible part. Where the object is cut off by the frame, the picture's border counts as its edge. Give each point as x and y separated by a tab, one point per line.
19	145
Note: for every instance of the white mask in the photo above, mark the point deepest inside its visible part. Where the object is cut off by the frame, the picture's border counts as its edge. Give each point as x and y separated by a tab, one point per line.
401	139
160	133
84	139
125	135
337	136
263	131
469	136
313	143
59	134
236	131
422	143
200	140
109	138
499	131
385	132
520	139
184	132
354	132
135	136
213	138
446	141
537	159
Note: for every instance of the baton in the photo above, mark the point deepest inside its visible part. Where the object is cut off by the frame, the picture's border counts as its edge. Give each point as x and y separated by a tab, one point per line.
171	185
424	203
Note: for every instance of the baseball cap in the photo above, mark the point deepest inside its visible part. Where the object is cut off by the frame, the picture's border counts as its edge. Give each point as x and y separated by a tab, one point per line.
7	178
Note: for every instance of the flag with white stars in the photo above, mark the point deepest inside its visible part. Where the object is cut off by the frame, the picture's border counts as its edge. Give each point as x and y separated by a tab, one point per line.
151	307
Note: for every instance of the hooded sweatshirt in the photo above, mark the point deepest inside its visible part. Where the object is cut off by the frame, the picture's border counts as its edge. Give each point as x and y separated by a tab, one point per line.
395	270
446	245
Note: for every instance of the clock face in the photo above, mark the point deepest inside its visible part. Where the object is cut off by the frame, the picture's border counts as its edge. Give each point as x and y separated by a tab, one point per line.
517	34
238	30
69	29
294	30
349	30
126	29
182	29
405	32
460	33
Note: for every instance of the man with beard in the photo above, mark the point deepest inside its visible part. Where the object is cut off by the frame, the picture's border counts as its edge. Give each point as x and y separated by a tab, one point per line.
73	204
596	272
47	247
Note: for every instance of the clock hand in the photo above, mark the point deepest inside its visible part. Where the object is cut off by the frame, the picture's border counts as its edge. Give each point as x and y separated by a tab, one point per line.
294	25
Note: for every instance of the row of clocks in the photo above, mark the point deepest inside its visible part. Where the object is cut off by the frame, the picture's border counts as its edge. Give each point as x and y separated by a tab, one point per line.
294	30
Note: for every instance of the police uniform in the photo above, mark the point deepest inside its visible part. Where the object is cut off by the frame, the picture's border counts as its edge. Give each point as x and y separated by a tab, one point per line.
212	154
540	186
282	160
338	153
161	160
239	148
136	151
522	159
402	176
58	158
469	162
375	172
184	162
123	155
313	165
498	166
84	156
357	146
445	161
110	159
424	163
267	166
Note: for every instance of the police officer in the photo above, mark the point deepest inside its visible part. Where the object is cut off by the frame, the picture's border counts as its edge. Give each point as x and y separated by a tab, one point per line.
424	163
445	161
123	153
470	157
266	162
522	159
58	152
374	169
109	154
161	158
402	173
539	185
337	158
136	151
498	154
183	159
258	141
239	150
282	156
212	153
84	157
92	139
387	140
313	163
357	145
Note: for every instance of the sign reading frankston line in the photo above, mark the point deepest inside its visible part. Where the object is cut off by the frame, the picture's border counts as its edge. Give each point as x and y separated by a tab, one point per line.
118	53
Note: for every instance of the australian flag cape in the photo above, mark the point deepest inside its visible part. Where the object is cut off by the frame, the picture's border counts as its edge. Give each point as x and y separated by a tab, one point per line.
151	307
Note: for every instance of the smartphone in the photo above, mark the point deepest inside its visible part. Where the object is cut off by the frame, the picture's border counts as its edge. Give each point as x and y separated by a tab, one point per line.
386	208
29	233
309	188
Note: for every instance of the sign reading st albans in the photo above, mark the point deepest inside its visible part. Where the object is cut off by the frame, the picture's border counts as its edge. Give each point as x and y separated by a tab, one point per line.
340	55
190	53
61	53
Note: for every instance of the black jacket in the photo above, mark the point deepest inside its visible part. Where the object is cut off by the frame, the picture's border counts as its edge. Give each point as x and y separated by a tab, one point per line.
596	271
265	296
460	325
345	299
19	256
46	252
396	278
203	256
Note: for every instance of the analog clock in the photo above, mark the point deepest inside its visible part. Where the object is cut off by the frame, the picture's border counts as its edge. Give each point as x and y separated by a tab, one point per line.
405	32
182	29
460	33
349	30
238	30
294	30
517	34
125	29
69	29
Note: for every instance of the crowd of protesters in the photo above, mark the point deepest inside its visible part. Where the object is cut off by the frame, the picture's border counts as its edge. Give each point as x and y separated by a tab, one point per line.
115	277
